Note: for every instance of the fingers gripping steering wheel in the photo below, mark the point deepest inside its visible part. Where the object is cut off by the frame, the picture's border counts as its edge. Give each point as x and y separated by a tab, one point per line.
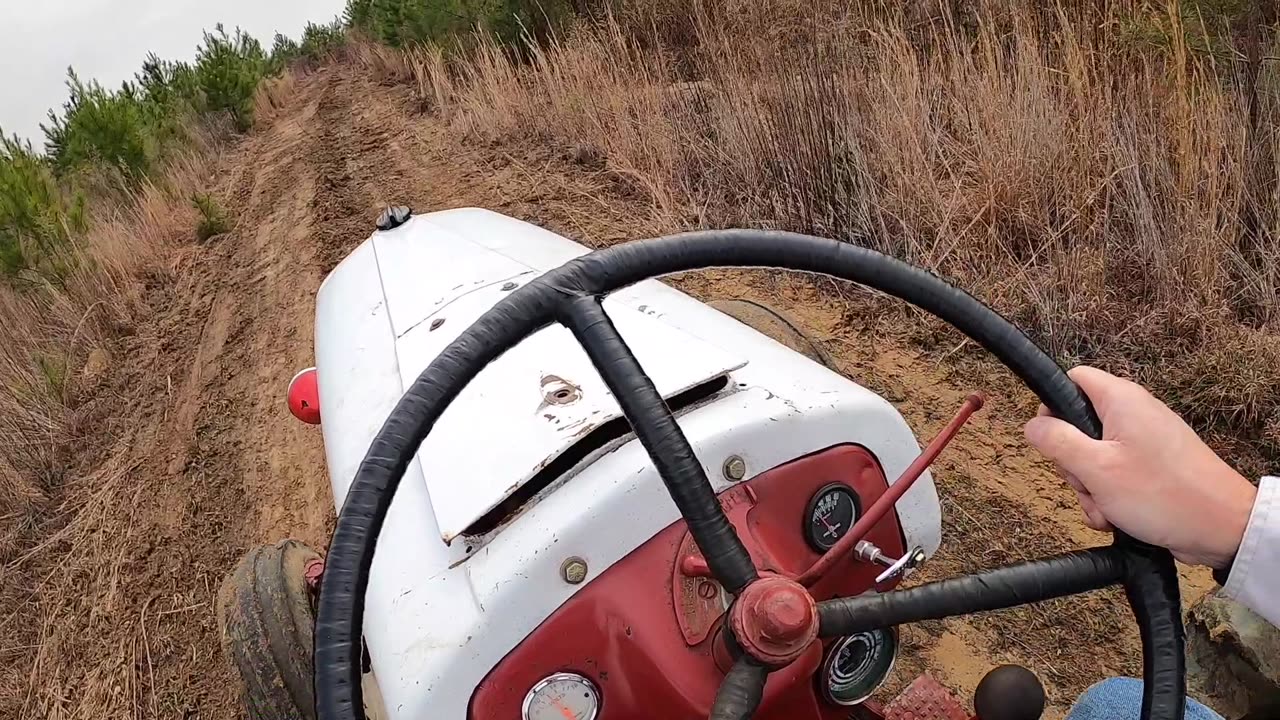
572	295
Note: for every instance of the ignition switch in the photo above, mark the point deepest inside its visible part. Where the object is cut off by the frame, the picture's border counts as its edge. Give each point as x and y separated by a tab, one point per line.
868	552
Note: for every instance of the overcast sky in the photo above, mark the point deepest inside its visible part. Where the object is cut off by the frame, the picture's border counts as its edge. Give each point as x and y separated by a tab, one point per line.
108	39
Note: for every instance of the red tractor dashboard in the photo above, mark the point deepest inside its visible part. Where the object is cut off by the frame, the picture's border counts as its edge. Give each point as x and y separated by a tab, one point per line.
644	634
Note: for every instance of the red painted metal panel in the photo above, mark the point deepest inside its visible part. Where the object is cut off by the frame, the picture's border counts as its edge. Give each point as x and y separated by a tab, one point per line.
643	635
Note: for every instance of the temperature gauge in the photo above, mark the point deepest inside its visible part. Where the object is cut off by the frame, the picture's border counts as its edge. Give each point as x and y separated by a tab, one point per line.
563	696
831	513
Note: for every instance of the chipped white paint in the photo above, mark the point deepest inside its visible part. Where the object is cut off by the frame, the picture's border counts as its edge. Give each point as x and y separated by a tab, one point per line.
523	429
439	616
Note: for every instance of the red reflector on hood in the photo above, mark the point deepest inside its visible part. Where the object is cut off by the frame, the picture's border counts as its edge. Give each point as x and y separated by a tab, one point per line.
304	397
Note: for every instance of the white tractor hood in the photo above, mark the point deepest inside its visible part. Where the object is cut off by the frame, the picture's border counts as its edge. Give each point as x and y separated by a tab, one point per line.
436	275
445	604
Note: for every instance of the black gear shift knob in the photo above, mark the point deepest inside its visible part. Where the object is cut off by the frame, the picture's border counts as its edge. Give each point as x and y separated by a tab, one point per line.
1010	692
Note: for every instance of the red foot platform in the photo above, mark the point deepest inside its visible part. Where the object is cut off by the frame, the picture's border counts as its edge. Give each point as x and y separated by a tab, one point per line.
925	699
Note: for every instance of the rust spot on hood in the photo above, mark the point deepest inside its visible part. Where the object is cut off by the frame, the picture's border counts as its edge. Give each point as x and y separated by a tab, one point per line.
558	391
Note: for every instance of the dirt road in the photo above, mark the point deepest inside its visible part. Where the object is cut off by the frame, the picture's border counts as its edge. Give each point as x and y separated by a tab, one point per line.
205	460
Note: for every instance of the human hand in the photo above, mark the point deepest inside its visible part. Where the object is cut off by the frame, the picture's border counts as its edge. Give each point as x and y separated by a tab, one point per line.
1150	475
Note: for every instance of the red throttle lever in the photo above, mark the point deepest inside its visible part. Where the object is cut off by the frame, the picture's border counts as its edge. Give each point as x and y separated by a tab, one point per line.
696	566
885	503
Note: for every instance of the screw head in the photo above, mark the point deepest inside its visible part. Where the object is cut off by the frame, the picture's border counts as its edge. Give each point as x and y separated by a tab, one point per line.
707	590
735	468
436	323
574	570
509	286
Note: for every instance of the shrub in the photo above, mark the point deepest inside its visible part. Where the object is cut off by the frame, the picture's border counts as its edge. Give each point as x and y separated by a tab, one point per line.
98	126
129	129
228	69
168	85
213	219
126	132
403	22
283	50
319	41
37	221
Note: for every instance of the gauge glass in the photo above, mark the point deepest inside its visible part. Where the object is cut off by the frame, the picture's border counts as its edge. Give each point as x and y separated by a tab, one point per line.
856	666
563	696
831	513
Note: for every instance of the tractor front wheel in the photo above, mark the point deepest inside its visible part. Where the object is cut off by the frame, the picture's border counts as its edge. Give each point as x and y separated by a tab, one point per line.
268	630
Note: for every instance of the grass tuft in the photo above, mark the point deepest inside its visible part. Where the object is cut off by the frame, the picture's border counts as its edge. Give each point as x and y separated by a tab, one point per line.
213	219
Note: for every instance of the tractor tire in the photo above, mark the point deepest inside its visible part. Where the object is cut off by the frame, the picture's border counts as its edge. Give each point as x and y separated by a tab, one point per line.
268	631
774	324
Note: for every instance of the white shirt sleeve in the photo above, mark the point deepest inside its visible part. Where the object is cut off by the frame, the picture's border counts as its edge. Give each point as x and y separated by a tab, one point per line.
1255	575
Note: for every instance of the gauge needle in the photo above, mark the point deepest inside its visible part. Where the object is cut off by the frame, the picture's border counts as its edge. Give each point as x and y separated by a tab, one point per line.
565	711
831	529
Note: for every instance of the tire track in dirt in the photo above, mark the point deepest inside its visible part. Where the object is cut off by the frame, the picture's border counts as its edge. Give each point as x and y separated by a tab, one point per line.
220	463
226	468
250	473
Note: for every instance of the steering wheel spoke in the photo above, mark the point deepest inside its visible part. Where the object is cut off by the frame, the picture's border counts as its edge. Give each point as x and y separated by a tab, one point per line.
741	692
661	436
996	589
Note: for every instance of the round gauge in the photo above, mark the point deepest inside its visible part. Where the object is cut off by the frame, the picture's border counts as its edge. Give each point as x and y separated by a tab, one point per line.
858	665
563	696
831	512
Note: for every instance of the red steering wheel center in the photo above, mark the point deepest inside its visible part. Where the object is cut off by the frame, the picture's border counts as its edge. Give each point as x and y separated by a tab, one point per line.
774	620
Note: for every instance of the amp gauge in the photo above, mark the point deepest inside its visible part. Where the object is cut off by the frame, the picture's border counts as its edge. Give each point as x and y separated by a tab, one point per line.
830	515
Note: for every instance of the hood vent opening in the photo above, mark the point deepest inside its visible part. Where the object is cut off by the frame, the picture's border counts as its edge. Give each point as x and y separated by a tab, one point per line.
592	442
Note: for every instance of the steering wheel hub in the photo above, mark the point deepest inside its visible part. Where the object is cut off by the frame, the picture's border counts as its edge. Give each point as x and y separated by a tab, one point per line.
774	620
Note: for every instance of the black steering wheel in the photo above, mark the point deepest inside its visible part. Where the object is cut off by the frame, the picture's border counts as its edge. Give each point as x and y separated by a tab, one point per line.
572	295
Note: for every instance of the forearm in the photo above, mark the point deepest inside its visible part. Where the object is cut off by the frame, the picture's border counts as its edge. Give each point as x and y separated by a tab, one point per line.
1255	576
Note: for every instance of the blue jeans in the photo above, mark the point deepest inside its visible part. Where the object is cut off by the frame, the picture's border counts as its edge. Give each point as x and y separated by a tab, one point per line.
1121	699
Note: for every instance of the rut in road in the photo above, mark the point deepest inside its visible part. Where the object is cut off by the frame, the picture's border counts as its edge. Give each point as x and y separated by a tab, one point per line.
207	460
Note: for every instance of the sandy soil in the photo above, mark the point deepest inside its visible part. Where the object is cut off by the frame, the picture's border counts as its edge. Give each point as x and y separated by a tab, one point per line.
206	460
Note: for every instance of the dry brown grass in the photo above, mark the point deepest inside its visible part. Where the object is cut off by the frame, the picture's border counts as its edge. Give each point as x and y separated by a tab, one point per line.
423	68
53	507
1115	196
380	63
272	95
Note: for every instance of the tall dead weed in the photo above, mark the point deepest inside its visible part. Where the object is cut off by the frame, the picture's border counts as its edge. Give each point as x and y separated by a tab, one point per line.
1118	200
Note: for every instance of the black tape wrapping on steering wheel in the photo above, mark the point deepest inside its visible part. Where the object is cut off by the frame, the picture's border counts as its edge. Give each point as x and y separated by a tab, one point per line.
1151	579
741	691
995	589
1151	585
665	442
1021	584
